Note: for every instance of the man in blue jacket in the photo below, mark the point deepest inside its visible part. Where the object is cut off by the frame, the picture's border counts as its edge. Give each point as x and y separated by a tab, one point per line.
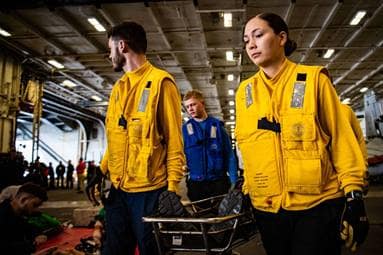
208	151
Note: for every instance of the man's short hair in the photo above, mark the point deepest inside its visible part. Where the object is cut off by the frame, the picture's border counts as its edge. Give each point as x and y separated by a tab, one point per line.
193	94
34	190
132	33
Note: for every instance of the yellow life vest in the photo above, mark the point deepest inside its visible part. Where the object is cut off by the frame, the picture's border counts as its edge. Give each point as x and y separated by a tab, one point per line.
136	151
285	154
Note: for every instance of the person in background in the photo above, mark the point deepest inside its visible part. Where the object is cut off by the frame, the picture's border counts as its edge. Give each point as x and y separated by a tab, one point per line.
60	172
91	171
144	156
51	175
303	167
80	171
16	235
69	175
211	162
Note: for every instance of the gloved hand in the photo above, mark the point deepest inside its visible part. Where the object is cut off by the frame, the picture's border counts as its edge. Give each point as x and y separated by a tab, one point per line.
354	222
238	184
169	205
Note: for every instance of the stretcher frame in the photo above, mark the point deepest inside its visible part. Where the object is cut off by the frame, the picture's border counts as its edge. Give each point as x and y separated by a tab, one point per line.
202	222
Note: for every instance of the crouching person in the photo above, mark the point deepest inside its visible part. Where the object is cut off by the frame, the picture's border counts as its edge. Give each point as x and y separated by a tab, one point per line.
16	235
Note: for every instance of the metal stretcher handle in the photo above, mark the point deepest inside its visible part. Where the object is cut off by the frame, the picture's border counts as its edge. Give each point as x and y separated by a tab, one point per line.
210	220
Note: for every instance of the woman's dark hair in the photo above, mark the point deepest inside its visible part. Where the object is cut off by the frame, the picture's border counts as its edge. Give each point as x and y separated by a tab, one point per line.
278	25
131	32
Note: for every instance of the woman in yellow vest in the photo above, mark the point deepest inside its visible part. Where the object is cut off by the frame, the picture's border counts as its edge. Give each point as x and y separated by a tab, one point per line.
303	168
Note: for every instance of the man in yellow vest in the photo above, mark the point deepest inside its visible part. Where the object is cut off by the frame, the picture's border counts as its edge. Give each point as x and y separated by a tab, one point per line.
144	156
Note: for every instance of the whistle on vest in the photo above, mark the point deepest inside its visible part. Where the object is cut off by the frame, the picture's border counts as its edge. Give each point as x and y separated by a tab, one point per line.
122	122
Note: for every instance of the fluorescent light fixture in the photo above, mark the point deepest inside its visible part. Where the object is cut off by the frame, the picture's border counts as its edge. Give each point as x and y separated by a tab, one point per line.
97	25
227	19
357	18
231	103
56	64
4	33
232	135
230	122
328	53
346	101
232	111
230	77
232	127
230	92
69	83
96	98
232	118
364	89
229	55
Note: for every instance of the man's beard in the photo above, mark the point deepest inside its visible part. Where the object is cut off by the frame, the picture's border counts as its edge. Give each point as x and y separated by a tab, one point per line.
119	62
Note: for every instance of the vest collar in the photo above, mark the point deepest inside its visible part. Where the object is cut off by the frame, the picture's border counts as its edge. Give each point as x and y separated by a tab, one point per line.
136	74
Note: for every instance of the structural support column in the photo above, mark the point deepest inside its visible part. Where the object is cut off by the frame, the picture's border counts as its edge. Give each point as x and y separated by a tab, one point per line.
10	72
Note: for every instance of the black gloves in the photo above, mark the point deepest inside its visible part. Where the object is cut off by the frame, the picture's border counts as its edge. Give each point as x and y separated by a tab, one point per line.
169	205
354	222
238	184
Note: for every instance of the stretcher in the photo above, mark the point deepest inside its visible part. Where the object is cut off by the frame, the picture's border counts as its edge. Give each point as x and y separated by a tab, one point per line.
203	230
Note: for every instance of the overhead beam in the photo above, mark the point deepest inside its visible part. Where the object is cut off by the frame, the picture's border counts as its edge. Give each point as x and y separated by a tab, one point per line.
369	75
70	21
354	66
327	21
41	34
355	34
289	12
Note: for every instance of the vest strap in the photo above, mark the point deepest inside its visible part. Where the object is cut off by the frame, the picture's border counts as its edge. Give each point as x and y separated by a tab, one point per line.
265	124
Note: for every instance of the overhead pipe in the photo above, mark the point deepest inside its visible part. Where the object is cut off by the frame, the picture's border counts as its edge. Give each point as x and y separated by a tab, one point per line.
356	84
82	128
57	45
327	21
289	11
355	34
64	16
354	66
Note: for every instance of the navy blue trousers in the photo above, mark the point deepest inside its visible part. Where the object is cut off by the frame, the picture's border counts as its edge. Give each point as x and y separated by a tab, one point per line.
124	228
313	231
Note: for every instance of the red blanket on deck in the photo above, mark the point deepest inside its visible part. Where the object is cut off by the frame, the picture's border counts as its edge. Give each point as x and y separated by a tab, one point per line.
67	239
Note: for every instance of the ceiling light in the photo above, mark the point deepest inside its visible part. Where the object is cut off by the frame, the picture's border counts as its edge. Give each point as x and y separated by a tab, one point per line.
96	98
328	53
232	135
229	55
56	64
230	77
357	18
230	122
364	89
4	33
346	101
231	103
232	117
232	111
227	19
97	25
230	92
69	83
